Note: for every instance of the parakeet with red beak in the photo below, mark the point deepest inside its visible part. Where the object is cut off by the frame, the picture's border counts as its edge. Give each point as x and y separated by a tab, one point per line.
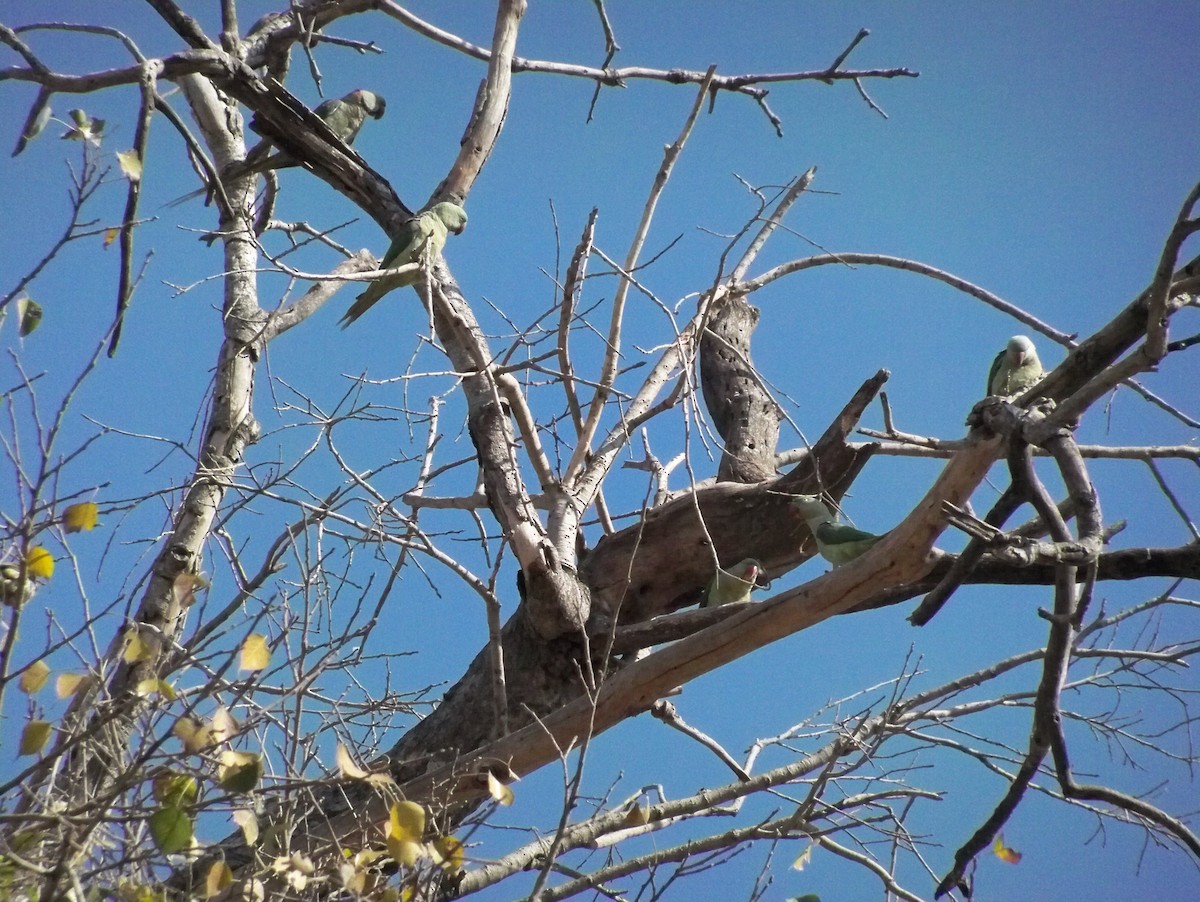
734	585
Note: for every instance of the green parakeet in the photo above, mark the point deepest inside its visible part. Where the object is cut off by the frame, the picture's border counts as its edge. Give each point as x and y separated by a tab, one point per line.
839	544
420	240
734	585
1015	369
344	116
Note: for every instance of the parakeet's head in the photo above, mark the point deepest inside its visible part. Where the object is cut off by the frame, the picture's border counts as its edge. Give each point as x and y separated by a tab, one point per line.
810	506
1020	349
372	103
748	570
453	217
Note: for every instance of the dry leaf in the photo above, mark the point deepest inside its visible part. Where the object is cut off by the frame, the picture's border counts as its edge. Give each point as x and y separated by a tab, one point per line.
498	790
218	879
185	586
34	737
802	859
67	684
223	725
34	677
346	766
248	822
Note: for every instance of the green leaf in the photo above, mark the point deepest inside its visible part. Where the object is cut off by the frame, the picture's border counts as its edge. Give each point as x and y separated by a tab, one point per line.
239	771
176	790
131	164
171	829
29	315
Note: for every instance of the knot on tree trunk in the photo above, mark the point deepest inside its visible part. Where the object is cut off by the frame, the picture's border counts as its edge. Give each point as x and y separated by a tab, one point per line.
556	600
742	410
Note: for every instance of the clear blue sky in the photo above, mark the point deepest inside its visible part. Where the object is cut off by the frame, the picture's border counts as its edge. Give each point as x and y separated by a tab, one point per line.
1042	153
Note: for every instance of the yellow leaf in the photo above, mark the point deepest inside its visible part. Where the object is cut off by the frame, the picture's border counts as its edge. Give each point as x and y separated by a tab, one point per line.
175	789
1003	852
67	684
218	879
135	649
406	825
255	653
447	853
151	685
110	235
406	821
39	563
802	859
248	822
406	853
239	771
498	790
29	315
184	588
131	164
33	737
81	517
34	677
195	735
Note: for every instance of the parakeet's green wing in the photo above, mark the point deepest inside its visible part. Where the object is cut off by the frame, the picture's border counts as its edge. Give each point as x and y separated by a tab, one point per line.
325	110
405	241
993	372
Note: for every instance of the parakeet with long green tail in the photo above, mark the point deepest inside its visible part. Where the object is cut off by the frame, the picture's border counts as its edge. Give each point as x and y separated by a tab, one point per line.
420	240
344	116
733	586
837	543
1015	369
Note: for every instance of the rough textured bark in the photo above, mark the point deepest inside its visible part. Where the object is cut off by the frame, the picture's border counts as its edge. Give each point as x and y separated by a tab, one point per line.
743	412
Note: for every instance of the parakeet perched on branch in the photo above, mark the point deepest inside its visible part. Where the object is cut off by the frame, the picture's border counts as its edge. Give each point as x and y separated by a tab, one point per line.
734	585
420	240
1015	369
839	544
344	116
